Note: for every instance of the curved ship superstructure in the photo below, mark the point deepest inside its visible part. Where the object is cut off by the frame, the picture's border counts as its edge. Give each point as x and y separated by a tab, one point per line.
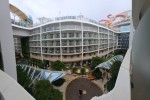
70	39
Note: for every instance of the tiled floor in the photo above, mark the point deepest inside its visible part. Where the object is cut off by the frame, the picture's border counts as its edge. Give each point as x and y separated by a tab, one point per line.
72	91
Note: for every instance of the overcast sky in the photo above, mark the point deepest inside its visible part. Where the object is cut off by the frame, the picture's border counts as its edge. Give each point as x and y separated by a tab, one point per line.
94	9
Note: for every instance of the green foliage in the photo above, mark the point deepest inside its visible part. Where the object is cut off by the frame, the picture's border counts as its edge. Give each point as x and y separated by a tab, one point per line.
78	55
83	71
41	65
25	47
108	58
96	61
23	78
115	68
97	73
120	52
59	82
43	90
71	56
36	62
58	65
74	70
57	95
65	56
111	84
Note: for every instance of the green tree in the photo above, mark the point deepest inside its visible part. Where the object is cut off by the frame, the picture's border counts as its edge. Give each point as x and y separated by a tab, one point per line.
58	65
115	68
96	61
43	90
120	52
25	47
111	84
23	78
97	73
83	71
41	64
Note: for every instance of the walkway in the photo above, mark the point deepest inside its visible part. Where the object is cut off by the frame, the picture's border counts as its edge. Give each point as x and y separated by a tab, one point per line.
90	89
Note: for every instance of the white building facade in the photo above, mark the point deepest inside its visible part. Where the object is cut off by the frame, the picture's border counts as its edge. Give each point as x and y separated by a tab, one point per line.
70	40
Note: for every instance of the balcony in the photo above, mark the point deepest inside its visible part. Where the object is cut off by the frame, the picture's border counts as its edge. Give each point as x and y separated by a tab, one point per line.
71	35
64	51
77	35
57	44
71	43
85	50
50	36
64	44
57	36
57	51
78	43
78	50
64	35
51	51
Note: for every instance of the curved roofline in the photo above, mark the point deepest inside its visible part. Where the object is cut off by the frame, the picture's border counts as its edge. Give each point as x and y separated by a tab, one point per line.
60	21
18	12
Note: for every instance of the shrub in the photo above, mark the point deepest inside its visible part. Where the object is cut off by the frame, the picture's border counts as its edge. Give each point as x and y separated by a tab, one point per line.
58	65
43	90
83	71
111	84
59	82
96	61
97	73
115	68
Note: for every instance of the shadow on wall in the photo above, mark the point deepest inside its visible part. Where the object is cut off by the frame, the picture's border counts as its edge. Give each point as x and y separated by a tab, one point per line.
1	97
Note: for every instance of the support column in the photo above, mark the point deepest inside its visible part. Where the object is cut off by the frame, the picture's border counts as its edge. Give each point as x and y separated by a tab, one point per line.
82	40
6	40
98	42
113	42
41	43
60	43
108	42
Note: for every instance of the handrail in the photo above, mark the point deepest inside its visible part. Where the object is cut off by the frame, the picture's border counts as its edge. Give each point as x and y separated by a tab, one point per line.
122	89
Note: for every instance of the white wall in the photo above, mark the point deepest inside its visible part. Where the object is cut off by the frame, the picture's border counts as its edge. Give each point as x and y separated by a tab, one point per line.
141	59
6	39
20	32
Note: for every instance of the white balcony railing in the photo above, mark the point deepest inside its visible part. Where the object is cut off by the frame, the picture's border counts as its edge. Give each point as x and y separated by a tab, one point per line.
122	89
11	90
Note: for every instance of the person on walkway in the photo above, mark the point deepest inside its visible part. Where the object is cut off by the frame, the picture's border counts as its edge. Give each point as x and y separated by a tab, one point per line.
80	92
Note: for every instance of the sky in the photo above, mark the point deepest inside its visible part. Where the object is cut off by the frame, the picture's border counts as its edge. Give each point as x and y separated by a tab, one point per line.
94	9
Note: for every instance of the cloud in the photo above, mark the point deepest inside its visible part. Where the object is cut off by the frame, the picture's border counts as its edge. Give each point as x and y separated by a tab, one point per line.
95	9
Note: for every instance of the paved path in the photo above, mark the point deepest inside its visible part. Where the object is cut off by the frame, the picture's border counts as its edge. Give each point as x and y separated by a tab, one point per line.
72	91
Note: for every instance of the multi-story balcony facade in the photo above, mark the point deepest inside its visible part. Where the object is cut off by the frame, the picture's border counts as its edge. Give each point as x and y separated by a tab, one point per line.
70	38
72	41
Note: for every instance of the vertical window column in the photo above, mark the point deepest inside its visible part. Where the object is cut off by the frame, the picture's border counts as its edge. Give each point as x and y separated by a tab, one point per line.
60	41
41	43
82	39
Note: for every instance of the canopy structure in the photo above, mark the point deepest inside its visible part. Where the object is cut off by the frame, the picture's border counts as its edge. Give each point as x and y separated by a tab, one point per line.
108	64
18	12
39	74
